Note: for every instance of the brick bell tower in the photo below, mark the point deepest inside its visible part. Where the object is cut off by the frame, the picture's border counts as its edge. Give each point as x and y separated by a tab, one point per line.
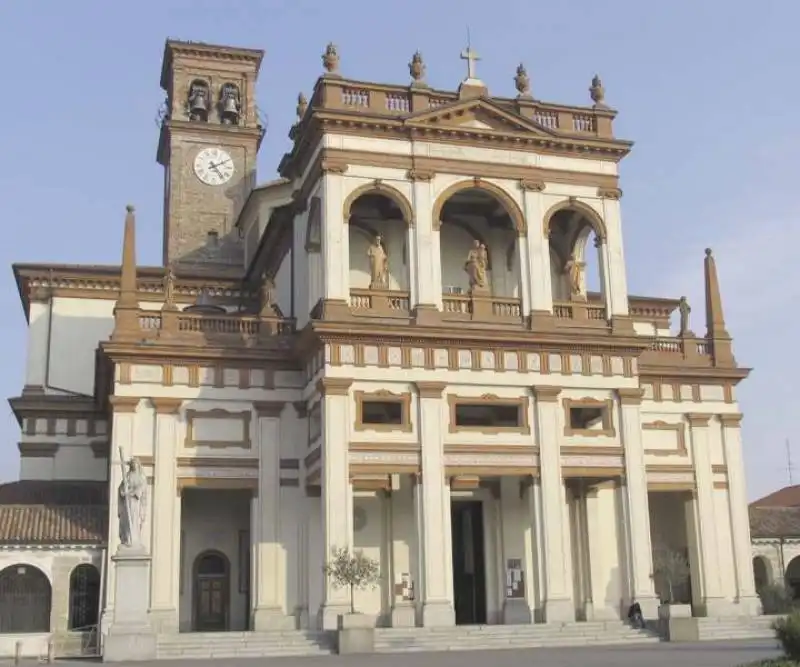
210	135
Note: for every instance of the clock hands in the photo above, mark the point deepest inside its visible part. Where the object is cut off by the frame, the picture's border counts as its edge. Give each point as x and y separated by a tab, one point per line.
216	166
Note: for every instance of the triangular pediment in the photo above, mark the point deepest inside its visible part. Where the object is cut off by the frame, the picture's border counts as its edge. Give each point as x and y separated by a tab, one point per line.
476	114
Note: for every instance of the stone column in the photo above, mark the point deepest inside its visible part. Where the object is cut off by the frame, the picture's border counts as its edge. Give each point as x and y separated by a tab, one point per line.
437	602
122	434
401	545
425	261
714	600
266	591
337	492
613	255
541	288
335	242
749	602
524	277
558	607
636	504
164	589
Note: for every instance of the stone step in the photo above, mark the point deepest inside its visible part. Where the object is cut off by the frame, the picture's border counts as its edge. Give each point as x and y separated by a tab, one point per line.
243	644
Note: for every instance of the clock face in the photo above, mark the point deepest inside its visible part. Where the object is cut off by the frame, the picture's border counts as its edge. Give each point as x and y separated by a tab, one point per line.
213	166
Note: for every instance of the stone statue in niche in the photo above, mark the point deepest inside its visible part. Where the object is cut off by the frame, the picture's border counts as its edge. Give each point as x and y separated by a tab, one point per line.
267	296
476	266
197	101
685	310
169	288
132	508
573	269
378	265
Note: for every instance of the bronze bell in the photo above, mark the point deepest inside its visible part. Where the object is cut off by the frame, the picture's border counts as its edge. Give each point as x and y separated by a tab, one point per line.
230	110
198	105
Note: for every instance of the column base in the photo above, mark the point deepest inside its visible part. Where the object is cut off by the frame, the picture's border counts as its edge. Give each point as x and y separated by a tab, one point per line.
328	615
404	615
559	611
718	607
750	605
438	614
427	314
517	612
164	621
129	643
271	618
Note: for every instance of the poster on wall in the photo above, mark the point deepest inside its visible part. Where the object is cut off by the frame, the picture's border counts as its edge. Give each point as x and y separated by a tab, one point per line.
515	579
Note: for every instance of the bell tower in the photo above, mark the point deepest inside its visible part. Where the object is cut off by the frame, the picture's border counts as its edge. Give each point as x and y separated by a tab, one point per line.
210	135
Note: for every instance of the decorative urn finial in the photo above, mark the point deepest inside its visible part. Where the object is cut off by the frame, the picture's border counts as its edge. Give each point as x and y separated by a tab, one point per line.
416	67
522	81
302	106
330	59
597	92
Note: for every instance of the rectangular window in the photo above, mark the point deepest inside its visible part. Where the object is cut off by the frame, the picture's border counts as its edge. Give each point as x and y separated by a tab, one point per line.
382	413
585	419
587	416
492	415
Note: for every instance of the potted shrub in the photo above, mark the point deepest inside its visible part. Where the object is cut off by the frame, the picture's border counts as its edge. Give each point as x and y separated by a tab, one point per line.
354	571
671	568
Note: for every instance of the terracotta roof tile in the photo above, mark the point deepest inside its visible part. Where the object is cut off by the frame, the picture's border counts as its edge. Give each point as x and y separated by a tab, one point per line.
774	521
788	496
45	512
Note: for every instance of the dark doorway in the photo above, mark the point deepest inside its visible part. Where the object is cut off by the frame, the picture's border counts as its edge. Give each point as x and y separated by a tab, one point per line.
469	576
211	592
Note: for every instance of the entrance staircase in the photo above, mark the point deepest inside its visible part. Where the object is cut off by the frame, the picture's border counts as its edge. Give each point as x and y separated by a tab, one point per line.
243	644
487	637
745	627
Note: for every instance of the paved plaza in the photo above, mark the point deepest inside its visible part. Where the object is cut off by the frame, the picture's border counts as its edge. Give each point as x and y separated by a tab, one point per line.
705	654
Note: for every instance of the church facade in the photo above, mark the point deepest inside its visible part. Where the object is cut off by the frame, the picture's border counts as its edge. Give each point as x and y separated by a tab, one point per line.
417	343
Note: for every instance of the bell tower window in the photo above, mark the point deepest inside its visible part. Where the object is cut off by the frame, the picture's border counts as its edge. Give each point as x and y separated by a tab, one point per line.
197	101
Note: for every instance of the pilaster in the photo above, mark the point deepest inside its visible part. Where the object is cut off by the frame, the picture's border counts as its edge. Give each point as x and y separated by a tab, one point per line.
337	491
122	434
518	606
613	257
425	262
267	588
740	521
558	607
165	565
636	505
401	542
714	601
538	261
437	602
335	240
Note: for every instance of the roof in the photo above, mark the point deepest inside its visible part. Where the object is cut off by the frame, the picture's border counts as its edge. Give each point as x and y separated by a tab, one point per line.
53	512
788	496
775	522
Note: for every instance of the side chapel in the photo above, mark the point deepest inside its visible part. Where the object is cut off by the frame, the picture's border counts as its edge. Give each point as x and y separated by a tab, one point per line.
417	342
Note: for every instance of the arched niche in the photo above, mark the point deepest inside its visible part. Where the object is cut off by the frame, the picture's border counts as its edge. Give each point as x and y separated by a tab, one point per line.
25	600
511	207
477	219
576	235
379	188
376	220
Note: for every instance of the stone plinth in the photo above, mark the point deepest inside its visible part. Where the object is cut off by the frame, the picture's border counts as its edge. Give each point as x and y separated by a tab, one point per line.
355	634
130	636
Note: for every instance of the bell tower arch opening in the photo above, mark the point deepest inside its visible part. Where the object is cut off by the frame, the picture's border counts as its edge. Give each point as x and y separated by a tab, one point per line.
210	135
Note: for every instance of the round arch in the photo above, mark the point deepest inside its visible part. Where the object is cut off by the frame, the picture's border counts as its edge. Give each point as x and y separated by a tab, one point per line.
379	188
25	600
211	592
762	572
792	576
508	203
592	216
84	596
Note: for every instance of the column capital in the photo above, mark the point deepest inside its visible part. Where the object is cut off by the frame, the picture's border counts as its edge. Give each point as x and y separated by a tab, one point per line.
269	408
545	394
630	395
334	386
122	404
166	406
732	420
430	389
697	419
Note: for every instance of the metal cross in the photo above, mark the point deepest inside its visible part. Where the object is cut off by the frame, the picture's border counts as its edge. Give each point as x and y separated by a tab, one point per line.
471	56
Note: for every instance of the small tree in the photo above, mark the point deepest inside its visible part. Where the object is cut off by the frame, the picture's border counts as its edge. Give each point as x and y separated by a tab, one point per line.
352	571
672	568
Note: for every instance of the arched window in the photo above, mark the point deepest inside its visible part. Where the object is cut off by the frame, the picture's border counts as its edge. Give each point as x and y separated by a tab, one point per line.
25	600
84	596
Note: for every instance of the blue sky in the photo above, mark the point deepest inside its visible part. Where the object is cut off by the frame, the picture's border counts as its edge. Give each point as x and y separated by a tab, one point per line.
707	90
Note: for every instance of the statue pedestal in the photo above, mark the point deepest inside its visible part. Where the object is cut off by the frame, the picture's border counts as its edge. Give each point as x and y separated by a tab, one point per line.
130	635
